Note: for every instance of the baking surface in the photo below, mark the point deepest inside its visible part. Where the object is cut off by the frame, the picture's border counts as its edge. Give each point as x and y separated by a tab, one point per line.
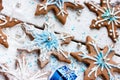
76	25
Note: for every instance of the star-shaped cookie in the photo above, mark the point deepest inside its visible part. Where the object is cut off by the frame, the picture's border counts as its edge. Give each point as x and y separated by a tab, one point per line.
99	61
22	72
6	22
107	16
47	42
59	7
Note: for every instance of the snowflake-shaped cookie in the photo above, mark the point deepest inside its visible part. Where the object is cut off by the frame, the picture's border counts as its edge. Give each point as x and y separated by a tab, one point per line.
107	16
59	7
6	22
22	72
47	42
100	61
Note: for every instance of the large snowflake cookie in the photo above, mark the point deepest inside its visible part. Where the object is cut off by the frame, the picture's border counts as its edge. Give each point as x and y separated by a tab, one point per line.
59	7
6	22
99	61
107	16
47	42
22	72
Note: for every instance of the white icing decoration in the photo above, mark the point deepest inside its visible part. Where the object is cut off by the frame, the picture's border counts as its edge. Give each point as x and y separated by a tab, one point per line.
3	39
100	60
104	1
62	12
98	8
22	72
113	30
59	4
63	37
3	18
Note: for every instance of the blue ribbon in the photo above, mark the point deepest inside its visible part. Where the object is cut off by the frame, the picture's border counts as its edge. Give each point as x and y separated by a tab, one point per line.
56	76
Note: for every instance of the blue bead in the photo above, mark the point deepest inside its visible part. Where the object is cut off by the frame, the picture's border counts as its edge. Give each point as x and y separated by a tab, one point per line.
108	15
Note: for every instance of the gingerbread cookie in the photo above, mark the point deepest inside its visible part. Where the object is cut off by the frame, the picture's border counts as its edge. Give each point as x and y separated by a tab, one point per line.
107	16
59	7
47	42
1	7
6	22
22	72
99	61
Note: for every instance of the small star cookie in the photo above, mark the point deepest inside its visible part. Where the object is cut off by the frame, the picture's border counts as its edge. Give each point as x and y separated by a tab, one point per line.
47	42
107	16
59	7
6	22
22	72
99	61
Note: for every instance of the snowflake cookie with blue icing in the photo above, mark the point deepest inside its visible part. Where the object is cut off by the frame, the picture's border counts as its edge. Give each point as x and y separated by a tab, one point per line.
99	61
22	71
59	7
107	16
47	43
